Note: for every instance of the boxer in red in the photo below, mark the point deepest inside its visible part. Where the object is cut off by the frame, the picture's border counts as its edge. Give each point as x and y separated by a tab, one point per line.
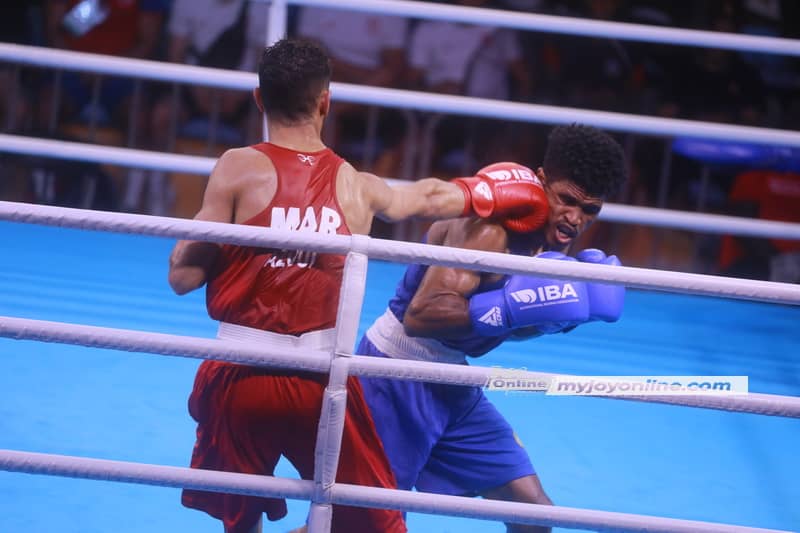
247	417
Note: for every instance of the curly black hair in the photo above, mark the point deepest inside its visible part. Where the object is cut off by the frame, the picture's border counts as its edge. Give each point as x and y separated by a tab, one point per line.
590	158
291	75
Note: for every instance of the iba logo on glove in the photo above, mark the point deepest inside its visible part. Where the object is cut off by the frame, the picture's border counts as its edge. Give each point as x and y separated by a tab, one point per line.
546	295
519	173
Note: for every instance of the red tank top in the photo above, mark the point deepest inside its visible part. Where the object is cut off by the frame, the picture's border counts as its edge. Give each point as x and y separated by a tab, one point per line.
285	291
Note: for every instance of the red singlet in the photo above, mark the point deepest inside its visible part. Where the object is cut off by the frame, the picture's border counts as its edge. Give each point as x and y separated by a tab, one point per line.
282	290
247	417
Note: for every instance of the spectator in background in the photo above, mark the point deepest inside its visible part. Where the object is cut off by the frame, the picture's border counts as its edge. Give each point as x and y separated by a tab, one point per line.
16	26
767	195
599	73
484	62
365	49
226	34
480	61
17	87
129	28
539	50
655	62
781	74
721	86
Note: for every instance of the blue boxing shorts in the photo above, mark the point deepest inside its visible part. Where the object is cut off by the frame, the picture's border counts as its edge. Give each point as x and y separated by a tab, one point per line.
446	439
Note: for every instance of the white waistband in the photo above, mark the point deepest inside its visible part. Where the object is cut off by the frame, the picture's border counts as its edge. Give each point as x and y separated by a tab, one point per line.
324	339
389	336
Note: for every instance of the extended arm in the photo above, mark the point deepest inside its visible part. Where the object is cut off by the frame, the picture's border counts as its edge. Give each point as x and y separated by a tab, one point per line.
503	190
427	198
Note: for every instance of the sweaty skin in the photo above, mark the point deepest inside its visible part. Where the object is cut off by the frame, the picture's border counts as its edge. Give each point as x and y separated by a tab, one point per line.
440	307
572	211
244	181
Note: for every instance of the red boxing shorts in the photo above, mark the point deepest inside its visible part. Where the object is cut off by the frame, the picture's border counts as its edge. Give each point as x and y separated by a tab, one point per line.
247	417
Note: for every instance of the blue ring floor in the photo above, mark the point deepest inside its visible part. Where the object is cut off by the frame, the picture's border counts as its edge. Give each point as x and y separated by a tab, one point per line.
591	453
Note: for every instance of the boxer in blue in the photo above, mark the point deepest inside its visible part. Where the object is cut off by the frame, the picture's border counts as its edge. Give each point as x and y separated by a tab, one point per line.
450	439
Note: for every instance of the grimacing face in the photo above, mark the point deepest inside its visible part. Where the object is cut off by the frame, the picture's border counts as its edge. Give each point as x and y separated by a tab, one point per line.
572	210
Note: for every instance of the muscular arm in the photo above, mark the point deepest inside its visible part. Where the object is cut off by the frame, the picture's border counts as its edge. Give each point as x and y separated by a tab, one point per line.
440	307
191	261
427	198
363	196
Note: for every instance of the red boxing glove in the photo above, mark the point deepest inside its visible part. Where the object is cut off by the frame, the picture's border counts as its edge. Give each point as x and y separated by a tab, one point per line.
508	191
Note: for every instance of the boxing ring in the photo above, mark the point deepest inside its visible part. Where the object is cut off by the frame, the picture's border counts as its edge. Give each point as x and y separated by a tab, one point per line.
56	280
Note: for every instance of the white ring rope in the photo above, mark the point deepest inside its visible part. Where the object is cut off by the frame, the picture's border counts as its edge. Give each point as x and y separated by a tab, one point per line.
268	486
112	155
163	344
626	214
323	489
462	105
236	352
699	222
647	216
565	25
403	252
334	401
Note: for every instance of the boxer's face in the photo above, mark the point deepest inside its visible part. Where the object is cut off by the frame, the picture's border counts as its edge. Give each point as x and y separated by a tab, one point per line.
572	210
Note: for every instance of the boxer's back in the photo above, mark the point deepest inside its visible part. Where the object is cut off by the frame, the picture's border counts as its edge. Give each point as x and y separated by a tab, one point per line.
284	291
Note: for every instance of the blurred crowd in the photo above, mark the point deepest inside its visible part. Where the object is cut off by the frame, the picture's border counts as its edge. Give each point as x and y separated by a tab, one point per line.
427	55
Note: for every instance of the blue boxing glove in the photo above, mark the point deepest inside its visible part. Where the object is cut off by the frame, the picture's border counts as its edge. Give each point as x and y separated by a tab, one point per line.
605	301
551	305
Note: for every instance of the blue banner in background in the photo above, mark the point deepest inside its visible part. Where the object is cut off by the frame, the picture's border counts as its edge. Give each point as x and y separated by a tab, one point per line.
711	151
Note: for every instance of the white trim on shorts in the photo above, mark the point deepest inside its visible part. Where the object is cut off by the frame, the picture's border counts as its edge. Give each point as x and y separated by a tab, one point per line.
389	336
324	339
